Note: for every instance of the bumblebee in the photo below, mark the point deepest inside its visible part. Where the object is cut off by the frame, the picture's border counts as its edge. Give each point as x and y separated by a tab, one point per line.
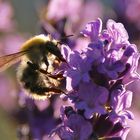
39	56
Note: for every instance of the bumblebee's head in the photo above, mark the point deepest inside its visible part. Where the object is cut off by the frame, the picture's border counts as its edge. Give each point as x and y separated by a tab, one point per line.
52	47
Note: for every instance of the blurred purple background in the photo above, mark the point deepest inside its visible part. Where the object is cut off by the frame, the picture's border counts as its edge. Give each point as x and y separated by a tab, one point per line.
20	20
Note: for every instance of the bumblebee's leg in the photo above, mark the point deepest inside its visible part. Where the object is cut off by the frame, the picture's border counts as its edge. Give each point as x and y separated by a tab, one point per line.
45	60
56	76
36	67
46	91
38	89
52	91
55	90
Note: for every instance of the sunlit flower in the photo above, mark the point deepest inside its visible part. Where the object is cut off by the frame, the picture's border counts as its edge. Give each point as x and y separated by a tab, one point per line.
96	78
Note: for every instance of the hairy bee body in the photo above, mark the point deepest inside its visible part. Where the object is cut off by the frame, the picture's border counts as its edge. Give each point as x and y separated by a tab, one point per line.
35	83
38	56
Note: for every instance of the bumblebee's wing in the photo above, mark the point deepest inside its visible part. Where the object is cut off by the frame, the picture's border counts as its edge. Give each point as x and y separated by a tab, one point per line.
8	60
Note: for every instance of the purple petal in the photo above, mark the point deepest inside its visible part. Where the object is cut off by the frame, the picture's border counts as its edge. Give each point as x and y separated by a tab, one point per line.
93	29
117	30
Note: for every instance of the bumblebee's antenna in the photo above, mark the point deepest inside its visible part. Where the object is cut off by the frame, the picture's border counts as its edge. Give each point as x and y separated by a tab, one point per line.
66	37
61	42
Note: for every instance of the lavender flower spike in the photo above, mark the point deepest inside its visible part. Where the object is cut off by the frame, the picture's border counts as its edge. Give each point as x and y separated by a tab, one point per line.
96	81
